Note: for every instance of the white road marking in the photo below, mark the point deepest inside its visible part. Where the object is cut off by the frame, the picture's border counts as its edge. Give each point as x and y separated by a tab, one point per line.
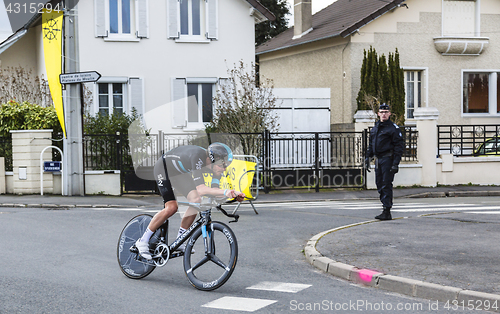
239	304
279	286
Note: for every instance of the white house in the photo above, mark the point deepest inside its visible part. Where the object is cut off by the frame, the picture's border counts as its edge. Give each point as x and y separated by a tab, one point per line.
151	53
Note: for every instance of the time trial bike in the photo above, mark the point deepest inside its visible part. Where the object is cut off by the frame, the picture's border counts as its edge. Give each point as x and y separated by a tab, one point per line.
210	255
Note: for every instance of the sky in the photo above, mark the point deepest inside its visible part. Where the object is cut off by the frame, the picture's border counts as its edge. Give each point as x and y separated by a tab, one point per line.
317	5
5	29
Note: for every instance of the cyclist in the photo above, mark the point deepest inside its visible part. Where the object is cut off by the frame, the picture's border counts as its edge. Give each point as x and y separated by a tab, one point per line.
182	169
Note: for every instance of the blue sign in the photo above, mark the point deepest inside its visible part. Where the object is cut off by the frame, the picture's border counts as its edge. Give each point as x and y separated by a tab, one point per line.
52	166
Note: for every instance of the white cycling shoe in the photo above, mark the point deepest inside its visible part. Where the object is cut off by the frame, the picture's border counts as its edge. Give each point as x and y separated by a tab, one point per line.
143	248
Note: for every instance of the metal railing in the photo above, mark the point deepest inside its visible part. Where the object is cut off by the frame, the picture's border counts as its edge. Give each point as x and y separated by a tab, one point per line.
466	140
6	151
410	136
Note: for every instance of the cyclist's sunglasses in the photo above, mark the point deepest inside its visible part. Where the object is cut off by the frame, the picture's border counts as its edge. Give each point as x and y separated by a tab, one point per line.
221	163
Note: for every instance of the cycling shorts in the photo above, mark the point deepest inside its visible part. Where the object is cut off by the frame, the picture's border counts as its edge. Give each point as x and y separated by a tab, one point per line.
179	183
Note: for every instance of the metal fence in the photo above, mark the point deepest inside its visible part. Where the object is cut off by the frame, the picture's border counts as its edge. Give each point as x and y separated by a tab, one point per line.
467	140
410	136
6	151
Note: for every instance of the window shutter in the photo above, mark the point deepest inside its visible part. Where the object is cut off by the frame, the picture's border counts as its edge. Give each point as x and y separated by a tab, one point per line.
459	18
179	103
100	18
212	16
137	94
142	18
173	18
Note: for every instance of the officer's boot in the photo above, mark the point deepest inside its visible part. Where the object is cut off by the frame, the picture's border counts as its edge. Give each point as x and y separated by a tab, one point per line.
385	215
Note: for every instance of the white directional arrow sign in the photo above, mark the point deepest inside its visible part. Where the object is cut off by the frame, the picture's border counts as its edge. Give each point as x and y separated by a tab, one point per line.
79	77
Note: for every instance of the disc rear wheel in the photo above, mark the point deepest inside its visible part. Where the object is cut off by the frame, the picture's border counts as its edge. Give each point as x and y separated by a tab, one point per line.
132	265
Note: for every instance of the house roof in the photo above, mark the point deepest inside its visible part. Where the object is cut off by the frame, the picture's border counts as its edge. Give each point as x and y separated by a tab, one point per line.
262	9
341	18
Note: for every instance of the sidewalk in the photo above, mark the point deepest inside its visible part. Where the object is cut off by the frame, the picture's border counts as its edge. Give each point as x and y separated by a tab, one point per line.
402	255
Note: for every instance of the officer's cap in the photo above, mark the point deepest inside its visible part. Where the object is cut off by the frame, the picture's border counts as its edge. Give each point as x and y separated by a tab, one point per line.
384	106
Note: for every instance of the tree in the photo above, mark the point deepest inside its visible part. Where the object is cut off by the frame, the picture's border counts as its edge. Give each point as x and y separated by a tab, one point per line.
382	81
266	30
242	106
21	85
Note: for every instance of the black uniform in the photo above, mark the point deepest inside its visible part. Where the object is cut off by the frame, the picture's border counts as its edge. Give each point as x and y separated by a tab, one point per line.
387	145
182	169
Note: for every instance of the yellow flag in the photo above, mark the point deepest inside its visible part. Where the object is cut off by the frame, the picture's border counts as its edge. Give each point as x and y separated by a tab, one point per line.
52	26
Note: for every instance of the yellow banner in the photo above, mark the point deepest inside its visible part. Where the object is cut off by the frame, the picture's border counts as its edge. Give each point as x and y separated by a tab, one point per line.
52	26
238	176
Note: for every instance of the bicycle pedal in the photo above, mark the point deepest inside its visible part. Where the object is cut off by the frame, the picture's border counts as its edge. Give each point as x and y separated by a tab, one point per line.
134	249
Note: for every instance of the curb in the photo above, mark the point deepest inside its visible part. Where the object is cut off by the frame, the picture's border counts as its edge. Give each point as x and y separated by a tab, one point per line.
410	287
419	195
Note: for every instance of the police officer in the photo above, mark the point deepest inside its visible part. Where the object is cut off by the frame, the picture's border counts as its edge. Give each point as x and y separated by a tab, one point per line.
386	145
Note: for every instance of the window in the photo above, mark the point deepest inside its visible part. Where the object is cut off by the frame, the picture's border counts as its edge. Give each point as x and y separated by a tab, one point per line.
111	98
461	18
413	90
481	93
192	101
121	20
120	17
192	20
192	13
201	110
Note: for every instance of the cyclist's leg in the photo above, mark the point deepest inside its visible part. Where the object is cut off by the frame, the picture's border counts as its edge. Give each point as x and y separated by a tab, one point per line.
159	219
191	212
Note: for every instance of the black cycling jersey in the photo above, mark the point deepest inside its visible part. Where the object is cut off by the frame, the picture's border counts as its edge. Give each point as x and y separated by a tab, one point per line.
182	169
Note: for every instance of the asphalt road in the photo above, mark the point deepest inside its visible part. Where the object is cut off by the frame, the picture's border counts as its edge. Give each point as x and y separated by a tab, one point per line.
64	261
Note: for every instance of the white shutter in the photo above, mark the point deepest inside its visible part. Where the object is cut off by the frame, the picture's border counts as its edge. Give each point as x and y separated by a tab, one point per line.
173	19
142	18
179	103
459	18
100	18
212	19
137	95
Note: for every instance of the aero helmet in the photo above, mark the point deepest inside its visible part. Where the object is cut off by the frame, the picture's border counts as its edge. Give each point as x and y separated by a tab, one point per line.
219	151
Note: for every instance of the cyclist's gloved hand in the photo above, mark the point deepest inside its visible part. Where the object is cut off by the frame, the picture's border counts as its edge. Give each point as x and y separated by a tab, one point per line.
235	194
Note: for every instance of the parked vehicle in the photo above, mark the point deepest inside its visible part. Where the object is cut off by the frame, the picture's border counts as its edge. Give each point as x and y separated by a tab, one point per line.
490	147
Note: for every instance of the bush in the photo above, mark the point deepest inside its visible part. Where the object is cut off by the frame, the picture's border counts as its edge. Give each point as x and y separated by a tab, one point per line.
26	116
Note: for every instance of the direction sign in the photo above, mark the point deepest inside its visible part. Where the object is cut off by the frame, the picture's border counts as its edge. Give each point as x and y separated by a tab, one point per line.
79	77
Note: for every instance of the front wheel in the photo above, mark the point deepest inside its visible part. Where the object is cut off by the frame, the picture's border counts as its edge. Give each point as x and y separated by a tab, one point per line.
209	266
131	265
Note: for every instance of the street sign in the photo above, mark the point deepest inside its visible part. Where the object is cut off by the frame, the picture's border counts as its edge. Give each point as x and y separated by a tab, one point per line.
51	166
79	77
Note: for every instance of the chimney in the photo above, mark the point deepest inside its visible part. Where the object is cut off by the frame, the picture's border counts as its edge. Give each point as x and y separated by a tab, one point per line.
302	12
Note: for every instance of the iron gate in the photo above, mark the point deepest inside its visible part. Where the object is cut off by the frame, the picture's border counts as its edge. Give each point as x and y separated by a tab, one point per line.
314	160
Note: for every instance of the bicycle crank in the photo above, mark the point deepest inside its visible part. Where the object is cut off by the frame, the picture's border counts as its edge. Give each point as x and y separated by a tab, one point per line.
161	254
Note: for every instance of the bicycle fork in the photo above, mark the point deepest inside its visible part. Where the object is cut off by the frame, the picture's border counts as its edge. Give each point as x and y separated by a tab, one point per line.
207	232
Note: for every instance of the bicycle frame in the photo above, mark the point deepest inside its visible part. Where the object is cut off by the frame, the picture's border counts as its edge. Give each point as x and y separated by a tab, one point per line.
202	222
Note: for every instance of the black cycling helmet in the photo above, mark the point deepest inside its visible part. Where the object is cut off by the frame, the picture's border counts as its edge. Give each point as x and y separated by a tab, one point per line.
219	151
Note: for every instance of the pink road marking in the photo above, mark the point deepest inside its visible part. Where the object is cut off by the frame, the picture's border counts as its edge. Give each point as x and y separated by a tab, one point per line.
366	274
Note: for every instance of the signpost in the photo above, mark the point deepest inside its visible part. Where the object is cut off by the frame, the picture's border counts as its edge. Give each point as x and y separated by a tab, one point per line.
73	167
79	77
